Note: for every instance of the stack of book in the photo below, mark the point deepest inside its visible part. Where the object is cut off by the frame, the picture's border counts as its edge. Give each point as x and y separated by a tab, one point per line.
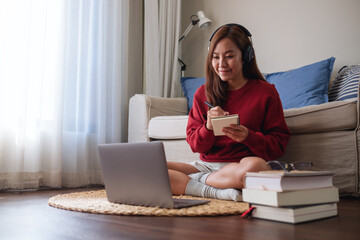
292	197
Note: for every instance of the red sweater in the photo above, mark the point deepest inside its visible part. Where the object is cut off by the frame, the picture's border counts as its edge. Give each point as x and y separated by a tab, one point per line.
259	107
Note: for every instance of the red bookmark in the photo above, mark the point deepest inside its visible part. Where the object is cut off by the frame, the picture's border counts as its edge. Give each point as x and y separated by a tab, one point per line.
248	212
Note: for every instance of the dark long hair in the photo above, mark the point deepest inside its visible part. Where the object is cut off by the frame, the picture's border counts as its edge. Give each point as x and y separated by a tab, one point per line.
215	88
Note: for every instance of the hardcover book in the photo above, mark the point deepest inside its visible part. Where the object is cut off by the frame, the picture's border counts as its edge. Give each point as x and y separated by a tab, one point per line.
287	181
219	123
296	214
291	198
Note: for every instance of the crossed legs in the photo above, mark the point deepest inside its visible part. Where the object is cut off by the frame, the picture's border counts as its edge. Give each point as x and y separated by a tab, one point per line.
229	176
178	173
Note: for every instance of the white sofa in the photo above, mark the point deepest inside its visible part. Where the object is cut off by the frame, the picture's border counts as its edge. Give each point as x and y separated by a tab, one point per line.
325	134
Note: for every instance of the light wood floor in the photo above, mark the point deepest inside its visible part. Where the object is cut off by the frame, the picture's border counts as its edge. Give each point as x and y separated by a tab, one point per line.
26	215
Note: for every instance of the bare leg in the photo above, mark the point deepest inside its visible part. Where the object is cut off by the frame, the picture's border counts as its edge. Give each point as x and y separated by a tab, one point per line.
178	182
181	184
232	175
178	174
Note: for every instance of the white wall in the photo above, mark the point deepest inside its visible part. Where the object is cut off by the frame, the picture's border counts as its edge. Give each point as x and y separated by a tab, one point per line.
286	33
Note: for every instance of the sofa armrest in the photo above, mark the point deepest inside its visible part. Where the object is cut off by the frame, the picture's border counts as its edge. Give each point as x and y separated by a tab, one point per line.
142	108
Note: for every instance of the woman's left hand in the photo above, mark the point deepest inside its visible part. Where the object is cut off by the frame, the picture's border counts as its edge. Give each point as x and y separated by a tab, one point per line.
236	132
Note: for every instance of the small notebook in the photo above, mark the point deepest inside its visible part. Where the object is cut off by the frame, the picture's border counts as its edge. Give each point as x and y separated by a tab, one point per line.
219	123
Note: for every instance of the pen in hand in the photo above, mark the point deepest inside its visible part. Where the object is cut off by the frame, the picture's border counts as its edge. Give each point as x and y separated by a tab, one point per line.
211	106
207	103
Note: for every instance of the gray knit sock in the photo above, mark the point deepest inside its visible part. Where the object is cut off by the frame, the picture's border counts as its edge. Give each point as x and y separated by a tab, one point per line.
200	176
198	189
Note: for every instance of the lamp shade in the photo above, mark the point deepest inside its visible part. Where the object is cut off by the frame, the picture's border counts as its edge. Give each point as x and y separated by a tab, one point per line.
204	22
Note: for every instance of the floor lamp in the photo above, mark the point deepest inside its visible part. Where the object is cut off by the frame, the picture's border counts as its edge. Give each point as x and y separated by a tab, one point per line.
203	23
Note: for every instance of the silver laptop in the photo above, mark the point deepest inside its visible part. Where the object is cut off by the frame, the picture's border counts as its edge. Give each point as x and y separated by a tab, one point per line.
137	174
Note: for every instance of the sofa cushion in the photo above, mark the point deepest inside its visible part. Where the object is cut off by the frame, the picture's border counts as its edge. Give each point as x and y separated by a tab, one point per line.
334	151
332	116
168	127
346	84
304	86
178	150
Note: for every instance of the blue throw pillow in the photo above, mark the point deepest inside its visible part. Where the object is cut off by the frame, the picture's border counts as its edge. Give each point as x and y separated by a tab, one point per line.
304	86
189	86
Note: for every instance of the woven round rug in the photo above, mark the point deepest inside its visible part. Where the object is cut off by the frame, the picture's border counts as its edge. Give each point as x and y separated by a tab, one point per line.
96	202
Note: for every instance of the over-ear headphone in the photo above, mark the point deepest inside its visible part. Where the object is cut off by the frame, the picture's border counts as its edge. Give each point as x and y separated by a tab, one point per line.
248	52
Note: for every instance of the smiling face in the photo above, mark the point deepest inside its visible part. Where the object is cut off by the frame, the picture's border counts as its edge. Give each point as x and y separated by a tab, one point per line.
227	63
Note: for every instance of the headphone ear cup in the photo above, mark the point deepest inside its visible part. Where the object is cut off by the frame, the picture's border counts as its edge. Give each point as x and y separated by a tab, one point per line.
248	54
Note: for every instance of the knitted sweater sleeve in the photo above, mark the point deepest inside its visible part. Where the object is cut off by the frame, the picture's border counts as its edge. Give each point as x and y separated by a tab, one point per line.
199	137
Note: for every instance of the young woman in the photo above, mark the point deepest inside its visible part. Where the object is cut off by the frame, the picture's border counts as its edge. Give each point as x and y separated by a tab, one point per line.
234	85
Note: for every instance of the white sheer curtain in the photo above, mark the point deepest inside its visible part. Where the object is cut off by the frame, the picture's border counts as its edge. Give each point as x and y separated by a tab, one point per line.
62	72
162	26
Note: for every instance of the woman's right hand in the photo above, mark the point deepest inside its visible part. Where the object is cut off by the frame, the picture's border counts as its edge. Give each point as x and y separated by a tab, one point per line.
212	113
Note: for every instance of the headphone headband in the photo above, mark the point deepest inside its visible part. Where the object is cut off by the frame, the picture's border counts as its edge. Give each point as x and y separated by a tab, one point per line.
230	25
